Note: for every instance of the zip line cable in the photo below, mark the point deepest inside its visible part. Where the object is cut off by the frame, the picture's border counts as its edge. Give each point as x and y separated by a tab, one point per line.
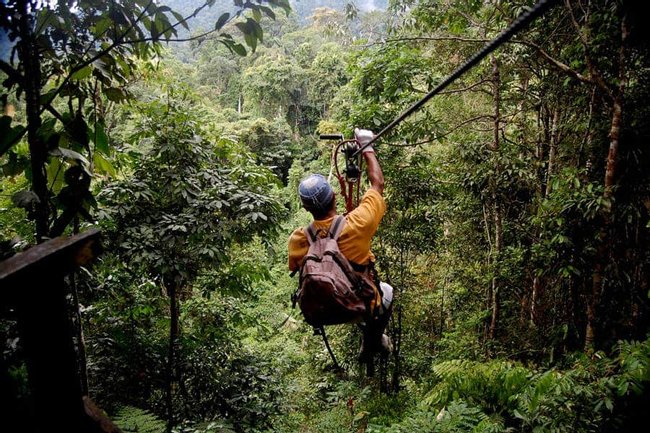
517	25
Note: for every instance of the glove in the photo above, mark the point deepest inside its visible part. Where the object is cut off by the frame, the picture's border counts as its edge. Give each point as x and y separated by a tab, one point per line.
364	136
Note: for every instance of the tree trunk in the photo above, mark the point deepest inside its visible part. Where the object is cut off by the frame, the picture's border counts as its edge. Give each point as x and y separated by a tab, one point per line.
603	248
172	366
602	251
496	200
498	241
554	138
38	153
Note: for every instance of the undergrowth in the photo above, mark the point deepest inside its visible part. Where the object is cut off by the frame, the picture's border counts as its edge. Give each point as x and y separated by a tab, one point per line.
587	393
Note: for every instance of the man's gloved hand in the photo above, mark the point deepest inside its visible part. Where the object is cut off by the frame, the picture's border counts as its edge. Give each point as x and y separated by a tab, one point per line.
363	136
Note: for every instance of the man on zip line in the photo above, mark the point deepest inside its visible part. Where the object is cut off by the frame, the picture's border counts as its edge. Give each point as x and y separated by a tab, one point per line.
318	197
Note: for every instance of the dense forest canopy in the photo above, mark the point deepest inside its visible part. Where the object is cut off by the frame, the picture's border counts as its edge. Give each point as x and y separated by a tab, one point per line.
516	233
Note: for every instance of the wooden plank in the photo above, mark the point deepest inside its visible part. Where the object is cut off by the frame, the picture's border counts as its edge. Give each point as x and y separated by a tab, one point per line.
57	256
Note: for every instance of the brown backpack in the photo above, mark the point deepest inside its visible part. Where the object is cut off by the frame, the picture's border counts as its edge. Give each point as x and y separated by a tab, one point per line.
330	291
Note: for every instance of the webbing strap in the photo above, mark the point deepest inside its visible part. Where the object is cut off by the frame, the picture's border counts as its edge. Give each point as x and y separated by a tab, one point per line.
310	233
337	227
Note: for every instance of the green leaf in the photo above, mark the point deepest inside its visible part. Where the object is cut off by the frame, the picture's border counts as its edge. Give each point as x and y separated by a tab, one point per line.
101	139
115	94
103	165
239	49
268	11
82	73
251	41
233	46
284	4
101	26
181	20
47	97
8	135
223	19
243	27
360	415
70	154
14	165
55	174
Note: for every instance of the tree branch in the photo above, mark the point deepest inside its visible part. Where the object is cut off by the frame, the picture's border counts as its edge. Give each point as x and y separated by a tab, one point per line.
56	114
191	38
10	71
597	78
449	132
562	66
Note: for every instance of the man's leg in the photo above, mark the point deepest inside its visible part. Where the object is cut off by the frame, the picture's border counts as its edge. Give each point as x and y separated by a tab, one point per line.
385	344
374	339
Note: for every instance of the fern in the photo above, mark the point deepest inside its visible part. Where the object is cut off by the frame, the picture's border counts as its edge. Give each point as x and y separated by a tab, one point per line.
135	420
491	385
634	360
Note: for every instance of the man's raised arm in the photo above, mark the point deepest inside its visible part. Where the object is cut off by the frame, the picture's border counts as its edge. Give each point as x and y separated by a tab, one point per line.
373	169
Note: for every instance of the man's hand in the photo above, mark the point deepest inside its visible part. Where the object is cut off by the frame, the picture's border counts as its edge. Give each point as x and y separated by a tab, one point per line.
363	136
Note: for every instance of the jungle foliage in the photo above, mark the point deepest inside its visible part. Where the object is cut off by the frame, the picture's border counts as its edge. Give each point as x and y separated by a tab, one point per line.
516	234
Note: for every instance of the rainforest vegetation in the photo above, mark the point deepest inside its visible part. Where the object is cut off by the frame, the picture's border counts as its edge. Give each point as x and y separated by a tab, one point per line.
517	232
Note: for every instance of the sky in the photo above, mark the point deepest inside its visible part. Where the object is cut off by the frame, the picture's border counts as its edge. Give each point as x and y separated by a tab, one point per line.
367	5
5	46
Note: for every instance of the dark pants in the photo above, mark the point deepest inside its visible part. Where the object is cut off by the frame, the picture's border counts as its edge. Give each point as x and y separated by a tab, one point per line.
372	330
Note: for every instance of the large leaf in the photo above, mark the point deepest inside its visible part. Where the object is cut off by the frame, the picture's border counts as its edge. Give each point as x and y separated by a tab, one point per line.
103	165
8	135
55	174
82	73
223	19
115	94
101	139
181	20
70	154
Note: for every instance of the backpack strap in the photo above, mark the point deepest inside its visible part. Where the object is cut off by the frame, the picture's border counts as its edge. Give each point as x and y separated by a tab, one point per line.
337	227
310	233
